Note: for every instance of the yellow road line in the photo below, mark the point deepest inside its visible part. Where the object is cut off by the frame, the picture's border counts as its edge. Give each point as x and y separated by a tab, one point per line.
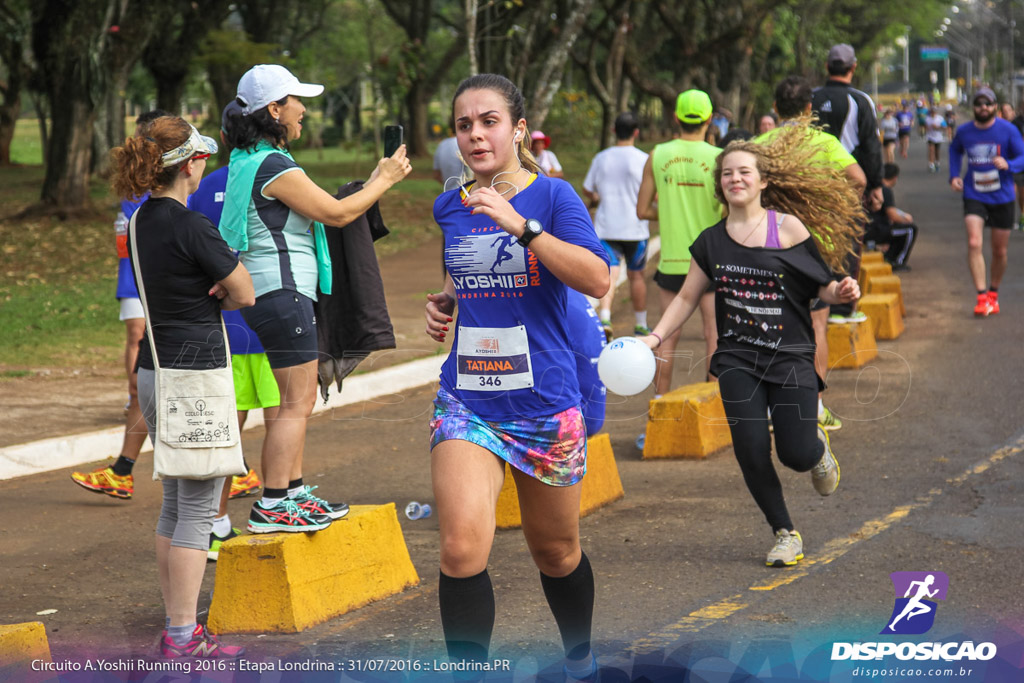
833	550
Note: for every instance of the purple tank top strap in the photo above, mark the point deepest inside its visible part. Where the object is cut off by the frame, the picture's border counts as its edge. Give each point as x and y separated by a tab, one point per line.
772	240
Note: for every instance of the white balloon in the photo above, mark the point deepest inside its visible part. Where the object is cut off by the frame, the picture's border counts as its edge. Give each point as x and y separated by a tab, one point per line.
626	366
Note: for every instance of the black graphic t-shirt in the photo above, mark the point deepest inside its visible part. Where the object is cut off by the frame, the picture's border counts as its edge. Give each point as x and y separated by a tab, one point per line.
762	306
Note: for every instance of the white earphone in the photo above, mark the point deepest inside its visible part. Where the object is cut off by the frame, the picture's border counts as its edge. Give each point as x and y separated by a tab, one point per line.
519	134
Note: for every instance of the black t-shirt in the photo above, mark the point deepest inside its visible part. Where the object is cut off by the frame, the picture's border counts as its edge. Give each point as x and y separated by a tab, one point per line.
181	255
762	306
888	201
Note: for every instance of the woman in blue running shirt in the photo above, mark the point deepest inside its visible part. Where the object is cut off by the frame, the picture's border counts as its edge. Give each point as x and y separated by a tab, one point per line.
509	389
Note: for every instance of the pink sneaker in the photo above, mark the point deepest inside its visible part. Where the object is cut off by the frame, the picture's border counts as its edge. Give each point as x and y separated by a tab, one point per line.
203	645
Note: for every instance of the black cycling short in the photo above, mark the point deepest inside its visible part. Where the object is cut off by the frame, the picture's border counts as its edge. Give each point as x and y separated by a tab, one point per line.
995	215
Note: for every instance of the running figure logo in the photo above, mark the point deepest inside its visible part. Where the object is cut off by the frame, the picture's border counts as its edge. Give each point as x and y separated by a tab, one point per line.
503	242
914	612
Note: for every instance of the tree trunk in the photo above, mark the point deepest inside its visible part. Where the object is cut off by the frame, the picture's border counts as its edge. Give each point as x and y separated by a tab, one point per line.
550	78
416	104
471	12
8	118
70	152
170	92
39	104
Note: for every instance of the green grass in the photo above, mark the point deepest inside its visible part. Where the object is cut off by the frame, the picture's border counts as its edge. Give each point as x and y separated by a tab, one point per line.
26	147
71	324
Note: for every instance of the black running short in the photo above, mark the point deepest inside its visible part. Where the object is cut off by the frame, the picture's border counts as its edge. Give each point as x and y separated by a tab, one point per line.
995	215
286	326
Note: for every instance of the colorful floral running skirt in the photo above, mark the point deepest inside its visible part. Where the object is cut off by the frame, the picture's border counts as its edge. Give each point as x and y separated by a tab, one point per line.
550	449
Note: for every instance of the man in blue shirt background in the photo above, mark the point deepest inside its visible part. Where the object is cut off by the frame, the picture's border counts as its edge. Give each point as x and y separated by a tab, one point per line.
995	151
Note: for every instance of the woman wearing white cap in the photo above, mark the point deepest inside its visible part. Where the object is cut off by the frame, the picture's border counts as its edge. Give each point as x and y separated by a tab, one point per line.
274	215
183	263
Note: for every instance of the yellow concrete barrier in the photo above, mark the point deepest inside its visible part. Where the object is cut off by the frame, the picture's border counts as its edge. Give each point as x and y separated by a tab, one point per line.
883	310
851	345
871	257
687	423
868	271
287	582
888	284
601	484
19	645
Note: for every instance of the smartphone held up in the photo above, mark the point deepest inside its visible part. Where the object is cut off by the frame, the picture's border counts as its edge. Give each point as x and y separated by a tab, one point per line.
392	139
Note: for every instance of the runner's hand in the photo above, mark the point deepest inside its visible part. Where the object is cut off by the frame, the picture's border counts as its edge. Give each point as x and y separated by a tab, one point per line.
440	308
392	169
957	184
489	202
218	291
847	290
1000	163
651	341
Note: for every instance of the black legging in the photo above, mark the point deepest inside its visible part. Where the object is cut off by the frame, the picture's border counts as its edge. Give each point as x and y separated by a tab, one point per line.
795	418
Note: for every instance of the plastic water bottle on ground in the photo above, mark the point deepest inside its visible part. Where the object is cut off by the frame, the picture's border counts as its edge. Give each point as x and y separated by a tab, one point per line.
416	510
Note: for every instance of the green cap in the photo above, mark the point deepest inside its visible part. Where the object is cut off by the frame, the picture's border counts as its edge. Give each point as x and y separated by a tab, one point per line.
693	106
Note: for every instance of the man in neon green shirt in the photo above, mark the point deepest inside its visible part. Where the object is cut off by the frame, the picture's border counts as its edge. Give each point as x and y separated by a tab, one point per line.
793	100
680	173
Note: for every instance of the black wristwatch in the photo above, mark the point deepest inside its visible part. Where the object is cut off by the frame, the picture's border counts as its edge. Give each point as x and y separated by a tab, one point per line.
533	228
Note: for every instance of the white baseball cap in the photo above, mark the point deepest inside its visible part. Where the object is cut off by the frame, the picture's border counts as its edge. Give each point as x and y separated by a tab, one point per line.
266	83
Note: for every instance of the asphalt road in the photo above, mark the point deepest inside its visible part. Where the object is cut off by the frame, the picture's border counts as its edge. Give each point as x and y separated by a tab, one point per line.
932	458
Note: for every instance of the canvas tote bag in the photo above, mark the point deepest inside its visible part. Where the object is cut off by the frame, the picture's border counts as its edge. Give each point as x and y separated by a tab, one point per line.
196	422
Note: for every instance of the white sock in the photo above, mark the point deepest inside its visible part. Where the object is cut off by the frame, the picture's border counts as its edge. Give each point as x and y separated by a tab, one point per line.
821	407
267	503
641	318
292	493
222	525
605	314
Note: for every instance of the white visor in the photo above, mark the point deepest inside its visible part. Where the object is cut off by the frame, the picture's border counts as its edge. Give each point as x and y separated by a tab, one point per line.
196	144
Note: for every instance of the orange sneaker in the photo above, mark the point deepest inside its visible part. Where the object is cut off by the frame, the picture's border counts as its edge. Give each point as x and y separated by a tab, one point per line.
105	481
247	485
993	301
984	305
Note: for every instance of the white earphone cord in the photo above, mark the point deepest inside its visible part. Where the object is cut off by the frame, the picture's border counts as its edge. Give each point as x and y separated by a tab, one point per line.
513	186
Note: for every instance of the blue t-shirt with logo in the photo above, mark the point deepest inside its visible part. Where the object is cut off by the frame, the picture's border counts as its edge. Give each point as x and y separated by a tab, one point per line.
208	199
983	182
513	353
905	120
588	340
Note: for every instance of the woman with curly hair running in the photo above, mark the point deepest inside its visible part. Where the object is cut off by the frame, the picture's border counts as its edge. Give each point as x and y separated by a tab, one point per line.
791	221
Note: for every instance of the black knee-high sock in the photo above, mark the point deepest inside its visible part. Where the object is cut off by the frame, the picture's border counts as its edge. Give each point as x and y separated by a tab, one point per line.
571	599
467	615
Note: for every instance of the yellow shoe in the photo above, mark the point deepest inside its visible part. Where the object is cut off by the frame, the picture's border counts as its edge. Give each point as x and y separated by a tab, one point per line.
105	481
247	485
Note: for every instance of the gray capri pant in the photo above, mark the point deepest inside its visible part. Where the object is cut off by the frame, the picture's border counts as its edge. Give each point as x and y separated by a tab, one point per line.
190	505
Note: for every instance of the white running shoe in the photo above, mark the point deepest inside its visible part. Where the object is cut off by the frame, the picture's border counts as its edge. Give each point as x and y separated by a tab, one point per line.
788	549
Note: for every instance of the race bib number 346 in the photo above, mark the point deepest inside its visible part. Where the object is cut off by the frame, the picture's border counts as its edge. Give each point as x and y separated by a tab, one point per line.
493	359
